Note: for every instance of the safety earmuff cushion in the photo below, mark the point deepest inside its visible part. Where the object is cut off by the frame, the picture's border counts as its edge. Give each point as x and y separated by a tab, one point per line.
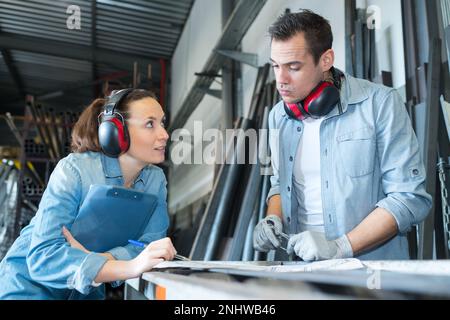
124	141
322	101
113	137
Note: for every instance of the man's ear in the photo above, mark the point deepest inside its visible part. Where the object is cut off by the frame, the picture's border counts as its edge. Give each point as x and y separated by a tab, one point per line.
327	60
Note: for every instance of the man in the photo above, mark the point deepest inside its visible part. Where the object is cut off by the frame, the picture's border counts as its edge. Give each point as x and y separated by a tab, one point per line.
348	178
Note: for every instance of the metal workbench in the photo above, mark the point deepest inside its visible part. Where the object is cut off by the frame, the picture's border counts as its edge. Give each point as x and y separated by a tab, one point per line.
336	279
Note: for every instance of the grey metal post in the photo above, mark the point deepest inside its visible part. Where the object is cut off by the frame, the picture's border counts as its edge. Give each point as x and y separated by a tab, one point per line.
431	135
227	75
39	127
54	126
245	214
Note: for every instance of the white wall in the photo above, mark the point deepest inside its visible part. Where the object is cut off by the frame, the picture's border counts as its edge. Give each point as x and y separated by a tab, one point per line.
199	37
188	183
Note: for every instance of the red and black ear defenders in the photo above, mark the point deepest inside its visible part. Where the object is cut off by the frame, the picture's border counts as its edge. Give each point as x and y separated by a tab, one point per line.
320	101
112	130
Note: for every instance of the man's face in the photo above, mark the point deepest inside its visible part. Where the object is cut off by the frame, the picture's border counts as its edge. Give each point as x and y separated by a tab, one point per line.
295	71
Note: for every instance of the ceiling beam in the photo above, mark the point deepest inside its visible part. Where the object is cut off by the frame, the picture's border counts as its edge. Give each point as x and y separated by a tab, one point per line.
13	72
12	41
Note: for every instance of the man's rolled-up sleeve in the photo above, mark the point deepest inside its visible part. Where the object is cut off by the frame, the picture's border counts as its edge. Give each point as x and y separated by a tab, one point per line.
401	164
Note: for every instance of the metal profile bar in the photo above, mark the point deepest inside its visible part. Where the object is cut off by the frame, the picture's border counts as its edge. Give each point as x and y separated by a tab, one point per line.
216	93
372	67
228	76
54	141
2	166
250	59
264	153
67	126
432	14
242	234
6	172
258	92
350	17
431	137
410	52
38	126
211	227
238	24
54	126
245	213
64	137
12	126
447	41
248	251
366	51
359	51
445	107
46	131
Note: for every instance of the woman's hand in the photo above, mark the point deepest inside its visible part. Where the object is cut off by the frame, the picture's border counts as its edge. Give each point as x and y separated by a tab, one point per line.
72	241
154	253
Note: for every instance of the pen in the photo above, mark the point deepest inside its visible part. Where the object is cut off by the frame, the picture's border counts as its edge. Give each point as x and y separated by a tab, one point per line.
143	245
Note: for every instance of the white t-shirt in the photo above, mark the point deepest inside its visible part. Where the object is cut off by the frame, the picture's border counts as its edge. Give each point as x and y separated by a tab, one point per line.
306	177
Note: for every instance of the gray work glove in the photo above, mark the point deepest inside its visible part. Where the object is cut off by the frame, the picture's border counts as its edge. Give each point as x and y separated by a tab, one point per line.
265	235
311	246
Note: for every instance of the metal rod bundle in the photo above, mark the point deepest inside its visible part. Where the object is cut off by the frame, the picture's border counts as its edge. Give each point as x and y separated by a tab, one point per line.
229	213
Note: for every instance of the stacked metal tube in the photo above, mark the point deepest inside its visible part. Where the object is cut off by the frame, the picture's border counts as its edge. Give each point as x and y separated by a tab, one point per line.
237	201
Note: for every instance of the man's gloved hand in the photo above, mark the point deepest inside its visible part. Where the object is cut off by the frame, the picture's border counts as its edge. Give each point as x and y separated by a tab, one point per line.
311	246
265	235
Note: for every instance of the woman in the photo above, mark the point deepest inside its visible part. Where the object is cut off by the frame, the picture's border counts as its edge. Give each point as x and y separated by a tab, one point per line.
46	262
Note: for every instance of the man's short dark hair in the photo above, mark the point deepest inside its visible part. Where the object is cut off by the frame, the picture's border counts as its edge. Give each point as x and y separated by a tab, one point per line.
315	28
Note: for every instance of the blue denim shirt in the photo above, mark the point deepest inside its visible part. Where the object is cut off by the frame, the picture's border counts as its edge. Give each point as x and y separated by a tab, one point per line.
41	264
369	157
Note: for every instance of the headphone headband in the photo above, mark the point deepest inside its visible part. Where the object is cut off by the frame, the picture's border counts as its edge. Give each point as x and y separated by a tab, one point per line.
337	77
114	99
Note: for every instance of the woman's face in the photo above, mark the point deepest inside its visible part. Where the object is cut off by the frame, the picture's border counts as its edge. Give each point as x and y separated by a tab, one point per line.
148	136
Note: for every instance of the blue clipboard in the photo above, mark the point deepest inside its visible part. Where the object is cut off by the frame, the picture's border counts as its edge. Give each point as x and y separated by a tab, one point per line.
111	215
